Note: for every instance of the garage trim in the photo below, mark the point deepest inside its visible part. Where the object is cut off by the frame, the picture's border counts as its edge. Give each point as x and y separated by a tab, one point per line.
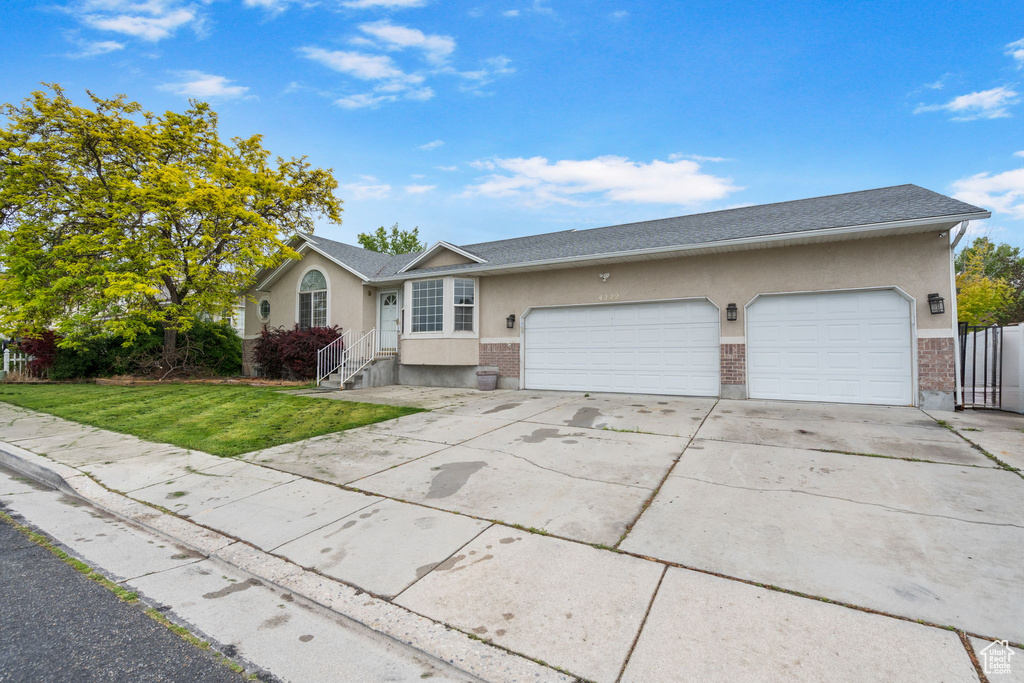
529	309
914	392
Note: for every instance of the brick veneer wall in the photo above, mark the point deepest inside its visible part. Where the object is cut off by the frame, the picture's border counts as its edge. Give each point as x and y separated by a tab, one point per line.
505	356
734	363
936	366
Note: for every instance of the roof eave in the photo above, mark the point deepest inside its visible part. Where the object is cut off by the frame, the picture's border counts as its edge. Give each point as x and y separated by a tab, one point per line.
720	244
307	242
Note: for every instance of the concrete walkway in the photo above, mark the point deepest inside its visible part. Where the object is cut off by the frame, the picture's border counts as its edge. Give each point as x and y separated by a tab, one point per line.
612	537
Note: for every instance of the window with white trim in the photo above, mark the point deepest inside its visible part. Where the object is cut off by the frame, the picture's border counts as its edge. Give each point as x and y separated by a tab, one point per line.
313	300
264	311
465	298
428	306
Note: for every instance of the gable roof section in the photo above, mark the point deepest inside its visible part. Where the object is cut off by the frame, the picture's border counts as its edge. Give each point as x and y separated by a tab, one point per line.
439	246
866	210
360	262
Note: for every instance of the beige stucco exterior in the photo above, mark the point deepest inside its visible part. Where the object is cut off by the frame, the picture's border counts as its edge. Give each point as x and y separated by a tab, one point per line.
453	351
918	264
444	257
350	304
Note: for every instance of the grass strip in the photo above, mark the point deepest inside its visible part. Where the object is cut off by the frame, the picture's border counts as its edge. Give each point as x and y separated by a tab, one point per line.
225	420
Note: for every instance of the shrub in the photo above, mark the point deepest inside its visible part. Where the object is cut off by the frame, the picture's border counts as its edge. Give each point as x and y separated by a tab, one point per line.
207	348
214	347
43	349
281	353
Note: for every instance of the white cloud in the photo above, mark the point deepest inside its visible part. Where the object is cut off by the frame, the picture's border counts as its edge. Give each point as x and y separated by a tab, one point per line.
540	8
1019	154
603	179
986	104
363	66
698	157
619	15
489	70
436	48
939	84
151	20
363	100
1002	192
1016	51
419	189
510	13
94	48
366	190
388	4
205	86
447	168
432	145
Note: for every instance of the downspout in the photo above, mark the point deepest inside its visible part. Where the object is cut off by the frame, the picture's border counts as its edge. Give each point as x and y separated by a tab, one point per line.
958	396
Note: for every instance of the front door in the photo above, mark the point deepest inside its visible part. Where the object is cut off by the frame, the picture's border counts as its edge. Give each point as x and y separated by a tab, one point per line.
387	321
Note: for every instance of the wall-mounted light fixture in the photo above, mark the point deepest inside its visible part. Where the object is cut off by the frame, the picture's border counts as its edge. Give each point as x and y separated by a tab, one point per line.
730	312
937	304
510	321
604	276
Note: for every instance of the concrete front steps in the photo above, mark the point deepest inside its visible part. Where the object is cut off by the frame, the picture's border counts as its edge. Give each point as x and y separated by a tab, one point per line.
380	372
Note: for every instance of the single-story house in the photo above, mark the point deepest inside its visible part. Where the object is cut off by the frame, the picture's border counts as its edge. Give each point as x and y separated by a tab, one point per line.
845	298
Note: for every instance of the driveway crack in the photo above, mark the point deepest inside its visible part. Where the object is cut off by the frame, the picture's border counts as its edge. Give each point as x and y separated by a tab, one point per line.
549	469
850	500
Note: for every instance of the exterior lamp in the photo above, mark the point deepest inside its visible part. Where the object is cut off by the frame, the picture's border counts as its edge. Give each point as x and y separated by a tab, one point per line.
937	304
730	312
510	321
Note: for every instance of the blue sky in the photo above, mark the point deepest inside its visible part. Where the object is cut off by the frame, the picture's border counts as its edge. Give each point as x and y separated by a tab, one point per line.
483	120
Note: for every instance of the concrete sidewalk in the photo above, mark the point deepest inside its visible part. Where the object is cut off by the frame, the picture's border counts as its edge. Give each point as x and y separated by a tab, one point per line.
449	584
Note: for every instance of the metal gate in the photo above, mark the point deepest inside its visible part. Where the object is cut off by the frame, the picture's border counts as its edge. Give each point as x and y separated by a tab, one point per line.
981	365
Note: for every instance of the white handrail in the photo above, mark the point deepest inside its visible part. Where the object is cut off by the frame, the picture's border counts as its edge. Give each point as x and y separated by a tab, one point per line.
353	351
358	355
329	358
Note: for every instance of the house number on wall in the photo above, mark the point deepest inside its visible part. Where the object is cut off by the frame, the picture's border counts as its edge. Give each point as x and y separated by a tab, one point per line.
608	297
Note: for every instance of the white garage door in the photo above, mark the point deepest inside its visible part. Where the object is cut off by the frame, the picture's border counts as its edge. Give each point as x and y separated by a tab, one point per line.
846	347
668	347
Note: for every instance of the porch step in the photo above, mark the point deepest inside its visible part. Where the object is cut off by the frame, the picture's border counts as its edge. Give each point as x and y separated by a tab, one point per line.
333	381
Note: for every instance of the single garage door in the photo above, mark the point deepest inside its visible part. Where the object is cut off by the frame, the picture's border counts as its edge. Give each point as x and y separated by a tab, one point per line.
845	347
666	347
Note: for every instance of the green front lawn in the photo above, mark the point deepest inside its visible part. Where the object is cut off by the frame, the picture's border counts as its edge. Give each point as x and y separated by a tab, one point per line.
217	419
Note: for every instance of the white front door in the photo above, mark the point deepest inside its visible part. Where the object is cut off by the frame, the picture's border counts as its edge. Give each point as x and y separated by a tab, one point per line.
658	347
387	321
844	347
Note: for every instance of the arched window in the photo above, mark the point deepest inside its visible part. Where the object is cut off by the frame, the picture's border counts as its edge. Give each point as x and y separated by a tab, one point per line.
313	300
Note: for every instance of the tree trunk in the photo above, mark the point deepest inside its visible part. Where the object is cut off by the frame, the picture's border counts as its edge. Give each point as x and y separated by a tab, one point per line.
170	347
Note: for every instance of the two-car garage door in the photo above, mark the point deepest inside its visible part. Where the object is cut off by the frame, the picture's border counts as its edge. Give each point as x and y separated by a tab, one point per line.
661	347
849	347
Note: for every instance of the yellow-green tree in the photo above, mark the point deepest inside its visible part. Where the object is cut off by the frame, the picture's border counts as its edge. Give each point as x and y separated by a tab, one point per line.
980	298
114	220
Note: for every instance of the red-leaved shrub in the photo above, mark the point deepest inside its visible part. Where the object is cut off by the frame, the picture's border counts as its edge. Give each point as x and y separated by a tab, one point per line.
43	349
291	354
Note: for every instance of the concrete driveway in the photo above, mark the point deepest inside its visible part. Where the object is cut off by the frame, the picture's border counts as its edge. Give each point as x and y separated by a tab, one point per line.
628	538
883	508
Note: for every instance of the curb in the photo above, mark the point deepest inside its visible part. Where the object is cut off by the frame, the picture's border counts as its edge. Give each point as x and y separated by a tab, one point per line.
434	639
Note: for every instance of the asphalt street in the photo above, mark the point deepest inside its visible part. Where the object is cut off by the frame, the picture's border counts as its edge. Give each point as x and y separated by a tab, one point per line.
57	625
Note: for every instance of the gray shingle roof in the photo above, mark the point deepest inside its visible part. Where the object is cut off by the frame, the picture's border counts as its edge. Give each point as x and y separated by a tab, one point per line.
867	207
366	262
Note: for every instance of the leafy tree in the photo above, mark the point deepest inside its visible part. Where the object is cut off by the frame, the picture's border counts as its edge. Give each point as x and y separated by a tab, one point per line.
993	283
395	242
115	221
